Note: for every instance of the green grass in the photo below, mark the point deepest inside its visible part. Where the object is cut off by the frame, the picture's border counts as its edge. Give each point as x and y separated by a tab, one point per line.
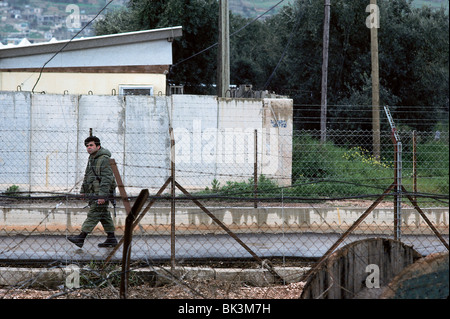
325	170
361	173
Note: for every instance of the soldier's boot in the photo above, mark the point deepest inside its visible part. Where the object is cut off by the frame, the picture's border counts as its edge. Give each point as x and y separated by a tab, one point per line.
78	240
111	240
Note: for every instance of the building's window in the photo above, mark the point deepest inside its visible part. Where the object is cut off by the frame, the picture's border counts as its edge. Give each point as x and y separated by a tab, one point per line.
135	90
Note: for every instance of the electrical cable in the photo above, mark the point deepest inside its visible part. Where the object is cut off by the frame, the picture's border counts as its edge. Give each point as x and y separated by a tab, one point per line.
67	43
291	36
232	34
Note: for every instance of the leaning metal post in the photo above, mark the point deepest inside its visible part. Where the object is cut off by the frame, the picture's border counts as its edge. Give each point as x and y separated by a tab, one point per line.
127	241
360	219
265	264
120	186
138	219
416	206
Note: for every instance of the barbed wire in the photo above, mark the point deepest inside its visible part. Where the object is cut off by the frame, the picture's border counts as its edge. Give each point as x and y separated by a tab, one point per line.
47	164
263	195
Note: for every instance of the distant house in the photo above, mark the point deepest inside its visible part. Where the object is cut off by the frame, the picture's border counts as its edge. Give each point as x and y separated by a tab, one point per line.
125	63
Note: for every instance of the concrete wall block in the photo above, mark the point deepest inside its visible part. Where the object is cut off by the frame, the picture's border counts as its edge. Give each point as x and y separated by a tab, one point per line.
214	139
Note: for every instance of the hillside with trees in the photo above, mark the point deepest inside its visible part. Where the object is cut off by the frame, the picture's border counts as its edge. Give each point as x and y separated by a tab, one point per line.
283	52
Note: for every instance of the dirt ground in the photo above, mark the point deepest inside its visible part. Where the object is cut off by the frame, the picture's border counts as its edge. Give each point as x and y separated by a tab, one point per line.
184	290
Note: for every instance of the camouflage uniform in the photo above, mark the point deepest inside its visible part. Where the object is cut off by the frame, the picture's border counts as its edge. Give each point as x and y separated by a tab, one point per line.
99	182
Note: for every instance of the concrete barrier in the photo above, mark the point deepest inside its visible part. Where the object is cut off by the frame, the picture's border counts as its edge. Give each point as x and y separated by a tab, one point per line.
191	220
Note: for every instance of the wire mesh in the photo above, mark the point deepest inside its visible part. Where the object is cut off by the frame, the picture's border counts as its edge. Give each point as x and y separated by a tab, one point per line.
285	193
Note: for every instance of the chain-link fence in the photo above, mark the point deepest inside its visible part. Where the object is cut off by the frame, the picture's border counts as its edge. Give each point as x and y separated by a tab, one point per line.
244	193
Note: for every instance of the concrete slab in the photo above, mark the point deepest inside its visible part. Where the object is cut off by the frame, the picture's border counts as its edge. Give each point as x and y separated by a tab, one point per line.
191	220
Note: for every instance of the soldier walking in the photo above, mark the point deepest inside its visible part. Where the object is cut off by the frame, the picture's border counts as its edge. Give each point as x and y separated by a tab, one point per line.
98	186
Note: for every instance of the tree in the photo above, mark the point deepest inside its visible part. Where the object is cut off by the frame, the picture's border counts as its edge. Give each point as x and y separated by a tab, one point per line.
283	53
415	58
194	66
413	53
249	55
199	21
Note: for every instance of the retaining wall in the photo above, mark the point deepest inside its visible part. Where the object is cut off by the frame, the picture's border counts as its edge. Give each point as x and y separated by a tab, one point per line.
191	220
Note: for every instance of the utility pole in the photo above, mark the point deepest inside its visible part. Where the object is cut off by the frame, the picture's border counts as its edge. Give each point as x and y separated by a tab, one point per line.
374	24
223	54
326	41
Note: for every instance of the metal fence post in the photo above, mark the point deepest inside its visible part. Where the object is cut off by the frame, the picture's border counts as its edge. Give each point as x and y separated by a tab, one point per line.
414	164
398	202
172	192
143	195
255	171
397	175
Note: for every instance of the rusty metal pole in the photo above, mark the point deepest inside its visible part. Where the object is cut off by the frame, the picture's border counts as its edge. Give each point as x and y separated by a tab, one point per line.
435	231
143	195
233	235
120	186
349	231
138	219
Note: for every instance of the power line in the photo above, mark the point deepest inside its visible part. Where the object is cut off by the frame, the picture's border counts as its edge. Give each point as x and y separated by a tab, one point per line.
232	34
294	29
65	45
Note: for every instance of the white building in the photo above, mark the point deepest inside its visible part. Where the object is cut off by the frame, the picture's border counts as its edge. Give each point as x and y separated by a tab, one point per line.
101	65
